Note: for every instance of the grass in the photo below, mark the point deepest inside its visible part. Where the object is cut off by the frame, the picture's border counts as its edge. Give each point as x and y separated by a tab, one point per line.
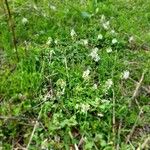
57	96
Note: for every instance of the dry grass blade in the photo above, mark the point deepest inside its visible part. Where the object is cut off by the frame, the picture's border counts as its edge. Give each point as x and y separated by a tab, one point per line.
118	136
134	126
34	129
114	120
81	142
147	140
137	88
12	28
143	87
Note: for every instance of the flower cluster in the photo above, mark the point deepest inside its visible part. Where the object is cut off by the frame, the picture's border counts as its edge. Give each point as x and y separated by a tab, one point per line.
86	74
24	20
95	55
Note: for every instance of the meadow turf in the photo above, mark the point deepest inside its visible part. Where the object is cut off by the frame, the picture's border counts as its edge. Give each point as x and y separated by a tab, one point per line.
82	80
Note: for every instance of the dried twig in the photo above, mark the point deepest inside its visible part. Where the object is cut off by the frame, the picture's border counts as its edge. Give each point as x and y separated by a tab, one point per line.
143	87
75	145
134	126
12	28
81	141
144	143
118	136
114	119
12	118
35	126
137	89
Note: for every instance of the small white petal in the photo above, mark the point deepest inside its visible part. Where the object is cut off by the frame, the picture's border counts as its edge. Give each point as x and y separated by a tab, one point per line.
86	74
109	50
100	37
131	39
95	86
94	54
97	58
85	42
114	41
73	33
106	25
85	108
100	115
109	83
24	20
77	106
105	101
53	7
112	32
126	74
56	41
49	41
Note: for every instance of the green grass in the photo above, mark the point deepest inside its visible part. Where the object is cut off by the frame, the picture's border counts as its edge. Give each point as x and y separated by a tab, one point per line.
49	84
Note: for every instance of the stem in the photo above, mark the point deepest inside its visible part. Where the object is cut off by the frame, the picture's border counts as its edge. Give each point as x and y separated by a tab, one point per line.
12	28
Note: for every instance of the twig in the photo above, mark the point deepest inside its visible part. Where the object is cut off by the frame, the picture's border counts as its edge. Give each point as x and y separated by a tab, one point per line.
134	126
133	148
66	66
35	126
137	89
143	87
75	145
81	141
138	86
118	136
144	144
114	119
12	28
12	118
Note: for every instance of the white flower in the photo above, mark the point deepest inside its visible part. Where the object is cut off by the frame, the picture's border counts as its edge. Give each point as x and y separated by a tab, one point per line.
53	7
24	20
109	83
56	41
61	83
105	101
100	115
73	33
86	74
57	138
94	54
106	25
114	41
109	50
95	86
49	41
131	39
77	106
125	74
100	37
85	108
112	32
97	58
85	42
